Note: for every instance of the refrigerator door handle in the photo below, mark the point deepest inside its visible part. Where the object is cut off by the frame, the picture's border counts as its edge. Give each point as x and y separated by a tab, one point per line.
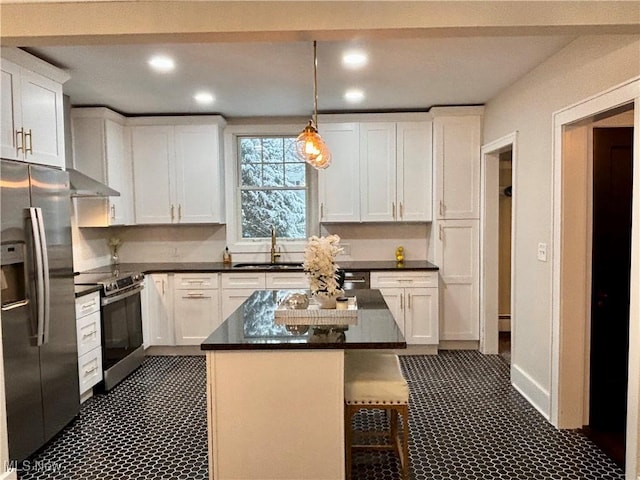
43	287
11	306
45	275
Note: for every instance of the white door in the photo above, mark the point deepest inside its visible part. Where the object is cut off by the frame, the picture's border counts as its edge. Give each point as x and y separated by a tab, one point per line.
159	310
458	258
118	174
457	160
11	112
394	297
196	315
378	172
414	171
339	184
197	174
42	119
153	152
421	316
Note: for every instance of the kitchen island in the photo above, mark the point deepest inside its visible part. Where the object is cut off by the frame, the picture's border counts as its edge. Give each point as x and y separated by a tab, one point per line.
275	393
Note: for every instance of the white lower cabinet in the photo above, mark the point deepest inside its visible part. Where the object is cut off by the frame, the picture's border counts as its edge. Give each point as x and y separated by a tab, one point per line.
157	311
196	307
412	297
89	339
237	287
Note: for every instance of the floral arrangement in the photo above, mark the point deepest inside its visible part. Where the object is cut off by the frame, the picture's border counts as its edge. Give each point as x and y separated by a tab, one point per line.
320	264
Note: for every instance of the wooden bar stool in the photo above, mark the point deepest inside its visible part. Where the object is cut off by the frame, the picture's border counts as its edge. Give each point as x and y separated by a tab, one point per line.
375	381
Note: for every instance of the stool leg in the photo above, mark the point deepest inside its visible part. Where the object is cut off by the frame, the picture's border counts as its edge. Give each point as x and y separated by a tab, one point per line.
405	443
348	440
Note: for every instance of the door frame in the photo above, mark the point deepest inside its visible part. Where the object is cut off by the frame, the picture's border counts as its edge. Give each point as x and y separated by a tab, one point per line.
489	217
569	329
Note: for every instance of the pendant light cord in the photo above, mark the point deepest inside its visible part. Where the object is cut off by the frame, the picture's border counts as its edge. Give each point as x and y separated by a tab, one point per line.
315	84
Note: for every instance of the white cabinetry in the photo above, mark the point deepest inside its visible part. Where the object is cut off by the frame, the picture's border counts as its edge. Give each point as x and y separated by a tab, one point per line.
89	339
455	234
31	121
196	307
158	314
383	173
412	297
285	280
237	287
339	185
101	150
177	171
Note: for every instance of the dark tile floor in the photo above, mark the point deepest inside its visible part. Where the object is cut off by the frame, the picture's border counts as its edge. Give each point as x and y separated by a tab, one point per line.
466	422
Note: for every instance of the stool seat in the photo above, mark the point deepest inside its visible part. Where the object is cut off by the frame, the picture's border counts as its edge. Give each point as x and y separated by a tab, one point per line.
374	378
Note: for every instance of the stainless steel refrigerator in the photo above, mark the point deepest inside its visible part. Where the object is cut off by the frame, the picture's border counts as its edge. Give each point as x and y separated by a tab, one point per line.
38	307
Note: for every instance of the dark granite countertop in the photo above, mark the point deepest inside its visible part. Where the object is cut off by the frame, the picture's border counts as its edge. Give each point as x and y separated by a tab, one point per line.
219	267
82	290
252	327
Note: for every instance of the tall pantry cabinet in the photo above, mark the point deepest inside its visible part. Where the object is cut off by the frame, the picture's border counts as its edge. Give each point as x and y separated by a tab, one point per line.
455	230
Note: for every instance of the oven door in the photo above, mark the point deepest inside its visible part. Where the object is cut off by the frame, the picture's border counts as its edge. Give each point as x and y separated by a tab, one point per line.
121	326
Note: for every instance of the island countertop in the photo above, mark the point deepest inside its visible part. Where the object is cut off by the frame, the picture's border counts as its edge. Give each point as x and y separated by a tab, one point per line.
252	327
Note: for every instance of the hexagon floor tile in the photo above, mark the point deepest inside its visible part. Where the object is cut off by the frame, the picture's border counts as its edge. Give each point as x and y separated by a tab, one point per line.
466	422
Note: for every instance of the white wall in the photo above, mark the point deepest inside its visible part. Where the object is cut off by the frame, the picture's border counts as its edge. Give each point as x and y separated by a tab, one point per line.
585	67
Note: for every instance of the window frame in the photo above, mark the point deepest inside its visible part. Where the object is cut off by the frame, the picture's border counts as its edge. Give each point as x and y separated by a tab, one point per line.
235	242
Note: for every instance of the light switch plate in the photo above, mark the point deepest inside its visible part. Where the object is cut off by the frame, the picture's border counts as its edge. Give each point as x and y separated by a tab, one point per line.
542	252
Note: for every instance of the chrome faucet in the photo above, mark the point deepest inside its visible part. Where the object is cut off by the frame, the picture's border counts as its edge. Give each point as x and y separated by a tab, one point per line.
274	255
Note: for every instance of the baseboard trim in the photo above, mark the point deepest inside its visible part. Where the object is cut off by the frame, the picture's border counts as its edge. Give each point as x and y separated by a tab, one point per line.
531	390
459	345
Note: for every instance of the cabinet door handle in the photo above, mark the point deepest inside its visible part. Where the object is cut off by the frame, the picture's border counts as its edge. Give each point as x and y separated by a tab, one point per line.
441	208
195	295
163	287
402	301
172	212
393	210
179	211
409	301
29	149
321	211
401	211
440	232
20	137
113	212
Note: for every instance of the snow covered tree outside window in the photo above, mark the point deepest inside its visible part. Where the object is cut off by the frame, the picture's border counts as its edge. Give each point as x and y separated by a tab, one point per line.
273	188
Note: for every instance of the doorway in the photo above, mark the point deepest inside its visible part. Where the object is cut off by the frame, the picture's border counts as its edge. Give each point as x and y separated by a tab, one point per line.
610	288
505	193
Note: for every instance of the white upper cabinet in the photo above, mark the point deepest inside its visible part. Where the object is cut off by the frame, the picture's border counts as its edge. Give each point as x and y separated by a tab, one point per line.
414	171
31	125
177	173
457	164
101	150
381	170
378	172
339	184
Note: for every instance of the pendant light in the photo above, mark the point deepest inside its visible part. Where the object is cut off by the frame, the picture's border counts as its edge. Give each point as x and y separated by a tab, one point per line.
309	145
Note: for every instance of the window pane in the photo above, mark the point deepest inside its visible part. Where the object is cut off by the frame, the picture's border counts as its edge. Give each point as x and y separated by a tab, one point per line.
250	150
284	209
295	174
290	151
272	149
251	175
273	175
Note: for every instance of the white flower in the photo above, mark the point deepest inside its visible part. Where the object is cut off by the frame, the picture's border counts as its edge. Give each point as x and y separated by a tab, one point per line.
319	263
114	243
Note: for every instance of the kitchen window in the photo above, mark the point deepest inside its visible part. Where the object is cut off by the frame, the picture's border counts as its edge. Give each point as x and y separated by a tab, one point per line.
273	188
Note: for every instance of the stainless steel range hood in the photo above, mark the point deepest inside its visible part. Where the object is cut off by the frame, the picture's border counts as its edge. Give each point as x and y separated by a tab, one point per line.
85	186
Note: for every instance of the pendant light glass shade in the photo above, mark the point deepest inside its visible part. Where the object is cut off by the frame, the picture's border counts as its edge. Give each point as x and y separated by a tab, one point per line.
312	149
309	145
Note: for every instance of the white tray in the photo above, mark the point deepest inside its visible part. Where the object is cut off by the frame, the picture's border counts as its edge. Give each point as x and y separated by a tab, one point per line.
314	315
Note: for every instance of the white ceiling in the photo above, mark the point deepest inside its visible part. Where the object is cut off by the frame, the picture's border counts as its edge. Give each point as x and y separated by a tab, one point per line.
276	79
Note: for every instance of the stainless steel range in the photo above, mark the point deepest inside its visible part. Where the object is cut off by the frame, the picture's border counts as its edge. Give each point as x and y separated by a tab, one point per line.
122	350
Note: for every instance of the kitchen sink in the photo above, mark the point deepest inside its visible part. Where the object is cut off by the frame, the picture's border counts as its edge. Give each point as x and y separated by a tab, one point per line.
270	266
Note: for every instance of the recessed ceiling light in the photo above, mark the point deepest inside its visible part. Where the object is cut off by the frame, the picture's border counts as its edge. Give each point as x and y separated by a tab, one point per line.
162	63
204	98
354	59
354	95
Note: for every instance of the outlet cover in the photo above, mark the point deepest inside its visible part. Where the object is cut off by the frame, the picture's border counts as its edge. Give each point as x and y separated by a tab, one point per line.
542	252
